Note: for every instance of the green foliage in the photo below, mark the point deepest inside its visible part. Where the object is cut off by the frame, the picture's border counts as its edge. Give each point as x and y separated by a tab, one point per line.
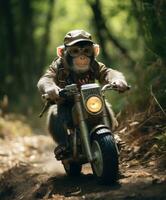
68	15
152	20
30	31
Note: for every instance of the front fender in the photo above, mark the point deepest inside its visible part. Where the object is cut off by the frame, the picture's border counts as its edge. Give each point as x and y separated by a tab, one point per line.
100	129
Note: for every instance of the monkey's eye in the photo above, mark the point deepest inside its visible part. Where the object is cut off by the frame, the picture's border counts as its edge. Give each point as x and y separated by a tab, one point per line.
74	51
88	51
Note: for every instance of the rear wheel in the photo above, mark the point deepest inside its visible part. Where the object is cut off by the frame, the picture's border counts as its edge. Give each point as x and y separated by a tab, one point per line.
72	168
106	165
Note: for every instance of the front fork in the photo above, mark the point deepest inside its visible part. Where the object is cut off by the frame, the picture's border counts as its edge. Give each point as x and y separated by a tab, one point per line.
107	123
83	129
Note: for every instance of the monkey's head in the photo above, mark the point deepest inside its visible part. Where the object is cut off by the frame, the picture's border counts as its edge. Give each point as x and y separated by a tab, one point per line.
78	51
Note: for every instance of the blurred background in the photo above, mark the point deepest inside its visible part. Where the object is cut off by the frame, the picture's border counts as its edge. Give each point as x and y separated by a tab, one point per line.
131	34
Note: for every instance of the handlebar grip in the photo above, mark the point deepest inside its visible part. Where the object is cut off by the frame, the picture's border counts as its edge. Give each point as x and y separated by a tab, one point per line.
62	93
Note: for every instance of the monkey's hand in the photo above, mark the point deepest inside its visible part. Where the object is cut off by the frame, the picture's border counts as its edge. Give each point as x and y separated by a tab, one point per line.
120	85
52	92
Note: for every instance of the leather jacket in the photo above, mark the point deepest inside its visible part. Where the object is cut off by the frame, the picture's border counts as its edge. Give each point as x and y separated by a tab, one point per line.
61	75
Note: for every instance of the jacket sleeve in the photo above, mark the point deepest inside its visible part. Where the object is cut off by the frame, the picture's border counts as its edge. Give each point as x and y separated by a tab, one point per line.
106	75
48	79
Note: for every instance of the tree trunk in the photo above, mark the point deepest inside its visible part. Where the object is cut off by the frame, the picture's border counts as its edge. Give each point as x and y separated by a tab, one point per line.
8	47
103	31
45	38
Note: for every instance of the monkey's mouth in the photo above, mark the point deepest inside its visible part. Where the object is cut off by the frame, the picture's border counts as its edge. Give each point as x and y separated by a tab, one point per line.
81	68
81	65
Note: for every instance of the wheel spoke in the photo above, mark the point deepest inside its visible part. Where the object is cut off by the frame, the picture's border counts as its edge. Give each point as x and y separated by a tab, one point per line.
98	162
105	165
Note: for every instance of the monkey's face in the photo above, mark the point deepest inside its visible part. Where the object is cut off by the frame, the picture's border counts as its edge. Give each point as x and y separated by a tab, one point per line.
80	56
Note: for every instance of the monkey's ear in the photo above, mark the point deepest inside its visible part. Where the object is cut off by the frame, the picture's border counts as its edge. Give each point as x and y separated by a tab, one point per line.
60	51
96	49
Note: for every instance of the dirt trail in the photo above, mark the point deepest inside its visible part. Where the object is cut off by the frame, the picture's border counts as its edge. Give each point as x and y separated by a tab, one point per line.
29	171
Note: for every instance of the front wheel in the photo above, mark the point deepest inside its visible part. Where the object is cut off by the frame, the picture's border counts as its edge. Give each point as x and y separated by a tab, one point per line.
72	168
106	165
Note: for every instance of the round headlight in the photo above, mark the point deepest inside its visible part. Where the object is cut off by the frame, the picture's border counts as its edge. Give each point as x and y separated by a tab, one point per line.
94	104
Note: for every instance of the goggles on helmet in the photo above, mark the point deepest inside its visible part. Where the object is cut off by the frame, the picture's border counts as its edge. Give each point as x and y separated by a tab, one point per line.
75	51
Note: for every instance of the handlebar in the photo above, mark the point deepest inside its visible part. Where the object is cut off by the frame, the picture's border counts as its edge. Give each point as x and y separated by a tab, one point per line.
111	86
72	89
63	93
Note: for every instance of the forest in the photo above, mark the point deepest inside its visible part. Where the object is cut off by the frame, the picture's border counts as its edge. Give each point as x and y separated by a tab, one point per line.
131	35
132	39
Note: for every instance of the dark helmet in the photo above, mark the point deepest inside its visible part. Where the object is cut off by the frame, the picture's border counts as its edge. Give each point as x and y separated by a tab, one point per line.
75	36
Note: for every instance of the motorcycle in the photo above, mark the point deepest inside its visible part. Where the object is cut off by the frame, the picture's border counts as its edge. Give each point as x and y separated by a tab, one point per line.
91	140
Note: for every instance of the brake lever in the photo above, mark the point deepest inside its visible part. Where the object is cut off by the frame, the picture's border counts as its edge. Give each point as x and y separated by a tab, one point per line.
47	104
113	86
128	87
45	108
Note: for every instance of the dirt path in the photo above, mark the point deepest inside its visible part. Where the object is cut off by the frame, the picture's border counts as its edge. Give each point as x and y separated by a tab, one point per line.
29	171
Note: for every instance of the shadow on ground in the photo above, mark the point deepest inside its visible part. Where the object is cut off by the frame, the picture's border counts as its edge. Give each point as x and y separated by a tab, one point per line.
30	183
25	182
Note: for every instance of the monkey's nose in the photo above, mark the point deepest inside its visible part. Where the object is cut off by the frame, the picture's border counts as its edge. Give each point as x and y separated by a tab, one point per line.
82	57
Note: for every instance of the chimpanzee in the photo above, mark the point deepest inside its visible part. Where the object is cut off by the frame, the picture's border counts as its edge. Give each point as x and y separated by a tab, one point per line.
76	63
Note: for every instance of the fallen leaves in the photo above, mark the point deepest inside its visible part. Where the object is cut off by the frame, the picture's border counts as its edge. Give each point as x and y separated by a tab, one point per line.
21	149
12	127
